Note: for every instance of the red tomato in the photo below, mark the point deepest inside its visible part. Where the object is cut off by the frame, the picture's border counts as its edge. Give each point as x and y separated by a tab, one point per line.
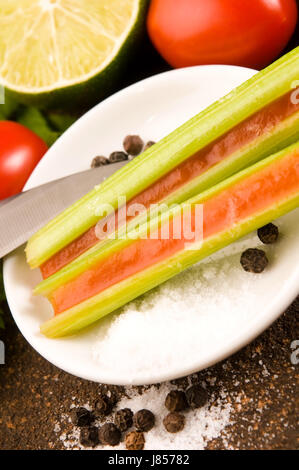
20	151
250	33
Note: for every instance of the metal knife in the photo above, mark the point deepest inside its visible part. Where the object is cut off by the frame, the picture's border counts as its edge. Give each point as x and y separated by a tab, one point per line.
22	215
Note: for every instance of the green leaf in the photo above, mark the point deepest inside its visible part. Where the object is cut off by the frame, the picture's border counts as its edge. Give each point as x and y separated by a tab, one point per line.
60	122
35	120
9	108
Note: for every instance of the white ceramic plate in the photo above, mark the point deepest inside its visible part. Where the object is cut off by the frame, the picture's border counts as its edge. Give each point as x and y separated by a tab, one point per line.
219	310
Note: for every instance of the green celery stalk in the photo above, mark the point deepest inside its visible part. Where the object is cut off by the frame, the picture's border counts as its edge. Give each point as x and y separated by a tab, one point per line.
197	133
91	310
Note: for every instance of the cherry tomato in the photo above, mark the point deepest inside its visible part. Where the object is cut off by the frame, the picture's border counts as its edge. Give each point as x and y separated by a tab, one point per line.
20	151
249	33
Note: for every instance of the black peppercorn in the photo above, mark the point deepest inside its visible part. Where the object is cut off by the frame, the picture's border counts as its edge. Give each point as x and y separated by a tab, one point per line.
109	435
89	437
196	396
81	417
123	419
133	145
174	422
254	260
268	234
116	157
176	401
135	440
149	145
144	420
102	406
99	161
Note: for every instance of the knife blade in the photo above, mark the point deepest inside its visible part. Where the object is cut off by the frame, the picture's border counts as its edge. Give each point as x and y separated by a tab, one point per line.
22	215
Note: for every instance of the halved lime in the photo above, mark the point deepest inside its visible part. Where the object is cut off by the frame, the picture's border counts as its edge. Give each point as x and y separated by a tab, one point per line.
69	50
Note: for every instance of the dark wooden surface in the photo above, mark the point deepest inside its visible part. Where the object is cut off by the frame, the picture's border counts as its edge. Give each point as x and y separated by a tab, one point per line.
260	383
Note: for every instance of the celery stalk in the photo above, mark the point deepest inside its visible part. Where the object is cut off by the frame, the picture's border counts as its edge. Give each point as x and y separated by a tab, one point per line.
116	296
284	135
110	246
197	133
